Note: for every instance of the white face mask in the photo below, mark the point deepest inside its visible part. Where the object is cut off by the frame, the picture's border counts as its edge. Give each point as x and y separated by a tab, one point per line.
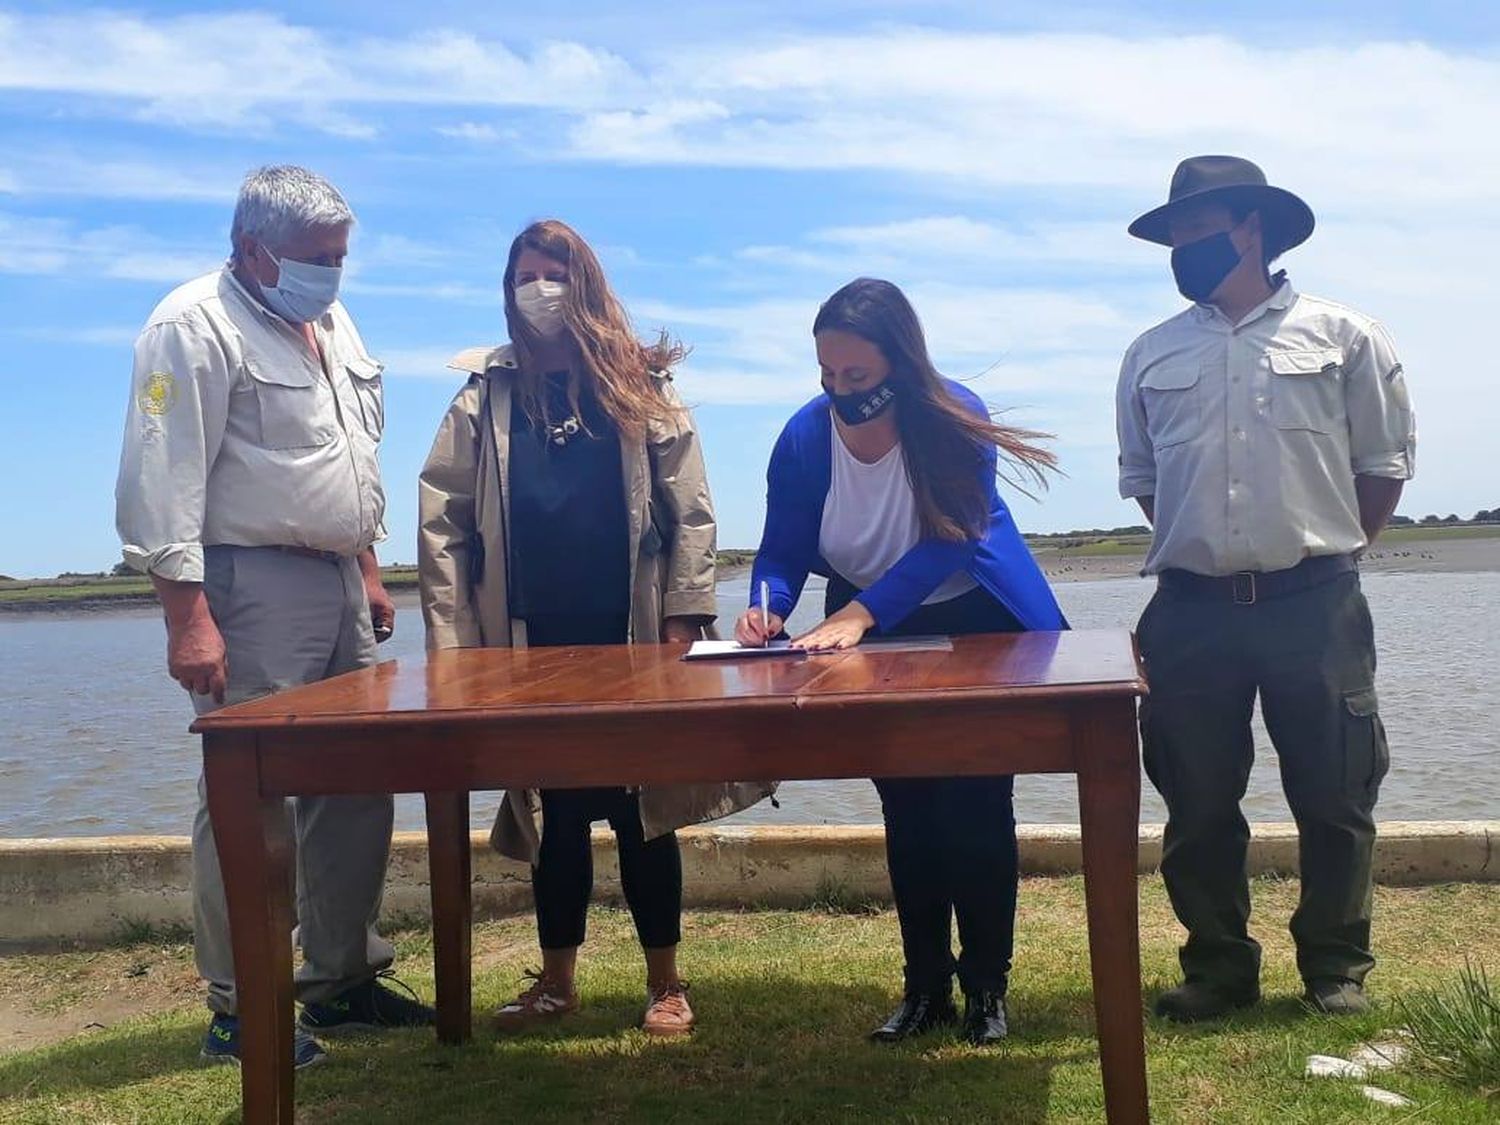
541	303
303	292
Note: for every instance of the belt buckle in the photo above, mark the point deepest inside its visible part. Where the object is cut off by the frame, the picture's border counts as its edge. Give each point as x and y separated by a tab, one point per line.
1244	587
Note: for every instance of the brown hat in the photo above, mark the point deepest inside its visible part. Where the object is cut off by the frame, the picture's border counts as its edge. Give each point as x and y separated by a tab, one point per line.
1232	180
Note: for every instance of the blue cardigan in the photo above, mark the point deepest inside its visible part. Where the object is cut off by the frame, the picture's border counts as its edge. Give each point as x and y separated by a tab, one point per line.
798	480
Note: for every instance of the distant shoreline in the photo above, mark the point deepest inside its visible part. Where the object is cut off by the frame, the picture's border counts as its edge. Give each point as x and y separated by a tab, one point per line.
1402	550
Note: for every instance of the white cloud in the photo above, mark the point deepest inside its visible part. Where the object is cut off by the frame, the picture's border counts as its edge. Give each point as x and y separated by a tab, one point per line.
50	246
1019	347
230	70
97	175
456	292
1365	127
421	363
102	336
478	132
1381	120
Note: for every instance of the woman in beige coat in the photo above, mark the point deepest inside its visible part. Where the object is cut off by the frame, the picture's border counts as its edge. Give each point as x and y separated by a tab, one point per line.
565	502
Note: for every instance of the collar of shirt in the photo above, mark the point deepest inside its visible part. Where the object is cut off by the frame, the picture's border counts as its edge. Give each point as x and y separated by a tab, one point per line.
1281	297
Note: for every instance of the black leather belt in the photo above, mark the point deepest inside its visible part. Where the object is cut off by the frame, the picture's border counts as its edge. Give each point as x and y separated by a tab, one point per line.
1251	586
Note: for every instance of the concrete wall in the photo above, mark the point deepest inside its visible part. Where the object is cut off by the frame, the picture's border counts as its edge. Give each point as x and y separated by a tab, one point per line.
89	888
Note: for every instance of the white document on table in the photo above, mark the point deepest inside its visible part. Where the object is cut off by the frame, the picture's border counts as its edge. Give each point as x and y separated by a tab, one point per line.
725	650
733	650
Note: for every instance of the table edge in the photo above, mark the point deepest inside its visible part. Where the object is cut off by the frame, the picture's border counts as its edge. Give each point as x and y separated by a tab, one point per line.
998	696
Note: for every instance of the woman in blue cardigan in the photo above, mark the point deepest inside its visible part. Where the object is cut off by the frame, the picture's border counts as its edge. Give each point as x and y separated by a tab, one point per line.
886	484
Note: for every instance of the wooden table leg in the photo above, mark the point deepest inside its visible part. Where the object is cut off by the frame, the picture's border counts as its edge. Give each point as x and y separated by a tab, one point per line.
452	918
1109	800
254	844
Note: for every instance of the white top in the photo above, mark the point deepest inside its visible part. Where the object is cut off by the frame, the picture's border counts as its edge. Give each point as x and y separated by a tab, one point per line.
235	434
1250	435
870	520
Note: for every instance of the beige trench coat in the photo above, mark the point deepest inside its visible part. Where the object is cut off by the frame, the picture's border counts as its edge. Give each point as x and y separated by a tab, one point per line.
464	492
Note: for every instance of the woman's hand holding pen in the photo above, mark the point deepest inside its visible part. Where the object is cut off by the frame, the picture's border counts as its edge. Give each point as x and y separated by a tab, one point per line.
755	628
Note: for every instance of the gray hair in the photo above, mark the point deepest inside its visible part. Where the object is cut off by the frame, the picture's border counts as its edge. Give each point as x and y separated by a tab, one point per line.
280	201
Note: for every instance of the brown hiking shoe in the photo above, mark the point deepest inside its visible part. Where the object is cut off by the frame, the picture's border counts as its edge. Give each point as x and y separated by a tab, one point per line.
668	1012
543	1000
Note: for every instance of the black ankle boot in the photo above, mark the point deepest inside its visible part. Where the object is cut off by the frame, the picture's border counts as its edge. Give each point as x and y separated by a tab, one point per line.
984	1018
919	1012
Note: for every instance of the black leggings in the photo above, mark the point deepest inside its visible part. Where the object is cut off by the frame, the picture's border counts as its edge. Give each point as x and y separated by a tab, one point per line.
563	879
950	842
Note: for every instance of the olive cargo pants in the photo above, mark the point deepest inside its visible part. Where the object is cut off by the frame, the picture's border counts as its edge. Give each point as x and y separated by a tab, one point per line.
1310	656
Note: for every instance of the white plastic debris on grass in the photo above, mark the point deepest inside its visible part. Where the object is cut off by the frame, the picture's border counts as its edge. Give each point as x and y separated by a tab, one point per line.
1380	1056
1363	1061
1326	1066
1385	1097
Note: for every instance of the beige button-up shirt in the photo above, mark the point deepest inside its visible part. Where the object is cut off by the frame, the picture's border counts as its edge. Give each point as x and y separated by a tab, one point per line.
237	434
1250	435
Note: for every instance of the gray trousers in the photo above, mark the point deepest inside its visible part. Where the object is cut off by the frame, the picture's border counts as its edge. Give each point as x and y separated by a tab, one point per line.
289	620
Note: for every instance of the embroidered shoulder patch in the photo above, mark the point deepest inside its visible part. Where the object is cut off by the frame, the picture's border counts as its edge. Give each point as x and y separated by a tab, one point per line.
158	393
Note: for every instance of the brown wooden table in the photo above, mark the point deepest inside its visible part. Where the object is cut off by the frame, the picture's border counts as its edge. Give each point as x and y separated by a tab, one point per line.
557	717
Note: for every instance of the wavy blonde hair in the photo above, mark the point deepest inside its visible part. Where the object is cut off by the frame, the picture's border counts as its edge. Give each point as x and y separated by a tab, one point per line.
605	349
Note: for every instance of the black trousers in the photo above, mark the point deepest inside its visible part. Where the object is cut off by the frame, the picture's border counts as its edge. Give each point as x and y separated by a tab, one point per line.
563	879
1310	656
950	842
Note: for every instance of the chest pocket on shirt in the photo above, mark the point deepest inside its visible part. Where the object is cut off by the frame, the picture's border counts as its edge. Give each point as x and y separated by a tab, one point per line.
365	375
1307	389
295	411
1173	403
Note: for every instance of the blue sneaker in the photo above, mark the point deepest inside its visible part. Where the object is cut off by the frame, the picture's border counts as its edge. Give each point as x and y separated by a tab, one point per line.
368	1006
222	1044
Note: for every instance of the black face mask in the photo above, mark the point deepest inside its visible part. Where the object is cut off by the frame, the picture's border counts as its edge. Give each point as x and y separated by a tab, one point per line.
1201	267
862	406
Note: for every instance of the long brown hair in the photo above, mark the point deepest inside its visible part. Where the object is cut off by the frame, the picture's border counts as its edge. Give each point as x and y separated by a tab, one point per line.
943	439
604	346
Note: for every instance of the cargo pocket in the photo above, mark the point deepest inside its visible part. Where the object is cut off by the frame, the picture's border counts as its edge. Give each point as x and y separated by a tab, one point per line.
296	410
1367	755
1172	403
365	376
1154	759
1307	390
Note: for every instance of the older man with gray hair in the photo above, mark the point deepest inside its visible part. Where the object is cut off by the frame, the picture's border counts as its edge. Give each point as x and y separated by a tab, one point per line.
249	491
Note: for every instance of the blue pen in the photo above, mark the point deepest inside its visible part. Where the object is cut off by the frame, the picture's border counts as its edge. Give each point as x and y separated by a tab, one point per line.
765	611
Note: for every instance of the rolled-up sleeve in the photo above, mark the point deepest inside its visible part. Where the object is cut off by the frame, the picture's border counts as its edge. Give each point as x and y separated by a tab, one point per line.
1137	461
174	425
1382	425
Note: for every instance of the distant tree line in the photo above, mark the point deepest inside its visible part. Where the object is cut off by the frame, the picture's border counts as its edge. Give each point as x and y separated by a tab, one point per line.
1095	533
1484	515
731	556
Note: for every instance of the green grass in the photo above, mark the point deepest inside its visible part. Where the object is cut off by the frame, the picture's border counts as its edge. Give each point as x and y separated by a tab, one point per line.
784	1002
1094	548
47	592
1455	1030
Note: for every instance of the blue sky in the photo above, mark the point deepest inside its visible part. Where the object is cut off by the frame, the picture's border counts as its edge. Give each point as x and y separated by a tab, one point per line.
734	163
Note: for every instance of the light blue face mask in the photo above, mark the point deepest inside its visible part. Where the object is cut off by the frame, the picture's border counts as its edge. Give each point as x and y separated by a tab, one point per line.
303	292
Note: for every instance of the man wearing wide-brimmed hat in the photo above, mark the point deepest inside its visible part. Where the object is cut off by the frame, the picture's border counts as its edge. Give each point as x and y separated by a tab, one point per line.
1266	435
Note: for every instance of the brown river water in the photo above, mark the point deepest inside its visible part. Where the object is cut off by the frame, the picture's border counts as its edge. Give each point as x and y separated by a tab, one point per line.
93	735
